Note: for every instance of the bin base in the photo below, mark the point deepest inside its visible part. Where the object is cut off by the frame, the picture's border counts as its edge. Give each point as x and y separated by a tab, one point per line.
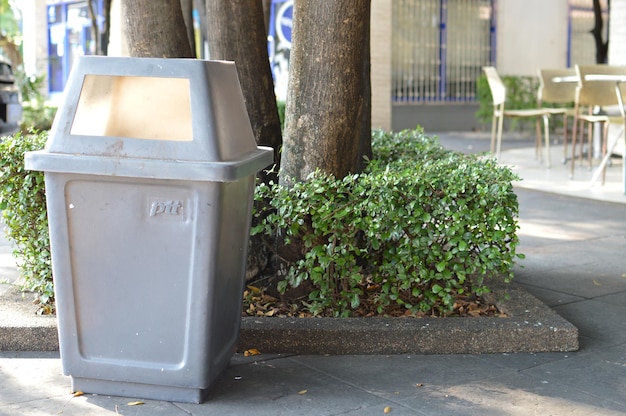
139	390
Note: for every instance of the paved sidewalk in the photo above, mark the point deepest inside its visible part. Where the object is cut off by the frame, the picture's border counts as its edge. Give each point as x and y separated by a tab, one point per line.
574	263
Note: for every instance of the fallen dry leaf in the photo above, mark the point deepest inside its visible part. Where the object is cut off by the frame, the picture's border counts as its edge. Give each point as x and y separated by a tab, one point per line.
596	283
255	290
251	351
258	303
135	403
387	409
78	393
302	391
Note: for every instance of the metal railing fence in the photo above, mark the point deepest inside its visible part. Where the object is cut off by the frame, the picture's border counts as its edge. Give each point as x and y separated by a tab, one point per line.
439	48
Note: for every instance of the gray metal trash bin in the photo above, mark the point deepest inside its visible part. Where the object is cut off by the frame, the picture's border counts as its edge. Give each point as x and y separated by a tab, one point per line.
149	172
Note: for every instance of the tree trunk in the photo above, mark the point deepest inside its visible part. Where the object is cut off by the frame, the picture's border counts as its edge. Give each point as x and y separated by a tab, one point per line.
95	32
187	10
326	99
155	29
365	144
267	8
236	32
602	48
106	32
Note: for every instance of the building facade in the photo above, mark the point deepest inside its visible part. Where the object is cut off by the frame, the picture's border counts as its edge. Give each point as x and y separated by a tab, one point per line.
426	54
433	52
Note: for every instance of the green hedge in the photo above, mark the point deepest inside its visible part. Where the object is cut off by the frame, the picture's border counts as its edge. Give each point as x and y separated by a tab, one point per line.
419	227
521	93
23	204
37	115
281	113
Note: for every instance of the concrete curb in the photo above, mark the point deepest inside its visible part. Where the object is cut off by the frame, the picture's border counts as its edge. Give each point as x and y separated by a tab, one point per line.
530	326
21	329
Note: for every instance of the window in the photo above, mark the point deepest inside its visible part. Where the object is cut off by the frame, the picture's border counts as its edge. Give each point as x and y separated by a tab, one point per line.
582	47
439	48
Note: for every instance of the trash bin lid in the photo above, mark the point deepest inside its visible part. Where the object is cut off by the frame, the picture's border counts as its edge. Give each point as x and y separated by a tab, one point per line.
152	117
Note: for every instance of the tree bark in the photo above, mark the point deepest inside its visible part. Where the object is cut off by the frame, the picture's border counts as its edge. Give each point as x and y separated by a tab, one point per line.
95	32
327	100
236	32
602	48
365	143
106	33
155	29
326	97
267	8
187	10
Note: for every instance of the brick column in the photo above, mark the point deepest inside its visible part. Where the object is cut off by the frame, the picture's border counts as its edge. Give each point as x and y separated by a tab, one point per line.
381	63
35	32
617	35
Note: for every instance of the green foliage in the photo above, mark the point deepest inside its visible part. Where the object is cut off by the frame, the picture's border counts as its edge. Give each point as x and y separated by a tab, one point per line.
23	204
37	115
281	113
10	26
30	86
485	102
418	227
37	118
521	93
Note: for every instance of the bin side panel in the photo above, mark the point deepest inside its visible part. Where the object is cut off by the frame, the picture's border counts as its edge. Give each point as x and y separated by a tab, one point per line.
129	303
232	251
61	271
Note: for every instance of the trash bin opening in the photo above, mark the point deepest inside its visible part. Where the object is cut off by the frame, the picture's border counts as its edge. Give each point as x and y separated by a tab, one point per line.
153	108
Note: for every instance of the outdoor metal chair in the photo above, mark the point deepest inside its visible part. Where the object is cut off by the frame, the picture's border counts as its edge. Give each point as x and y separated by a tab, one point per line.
498	93
558	86
590	94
